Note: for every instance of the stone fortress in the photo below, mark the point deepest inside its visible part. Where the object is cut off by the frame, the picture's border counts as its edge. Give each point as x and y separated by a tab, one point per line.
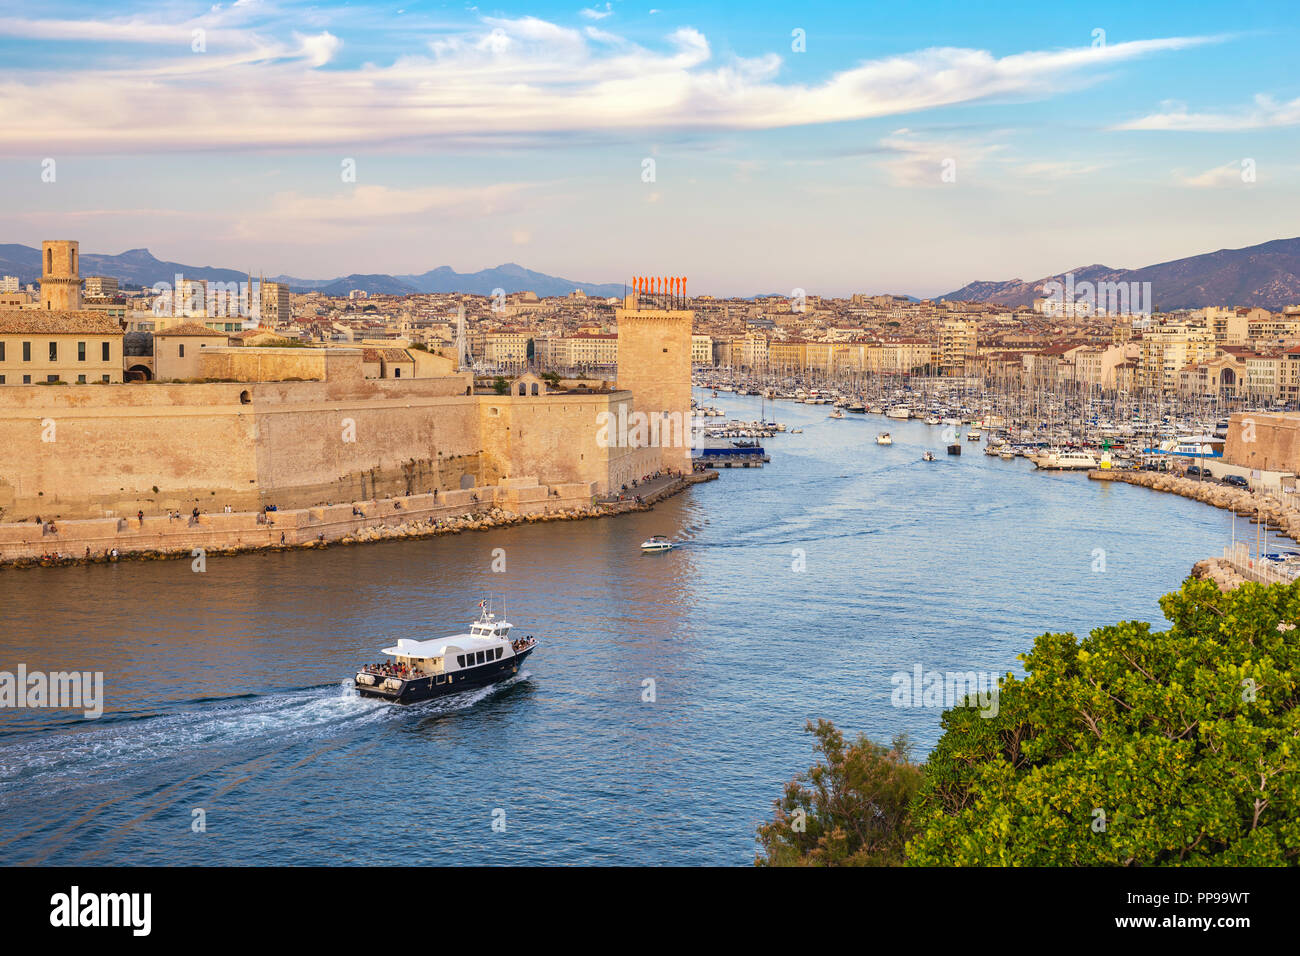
304	427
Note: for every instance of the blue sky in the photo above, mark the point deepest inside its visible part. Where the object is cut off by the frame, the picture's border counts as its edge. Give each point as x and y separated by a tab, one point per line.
904	148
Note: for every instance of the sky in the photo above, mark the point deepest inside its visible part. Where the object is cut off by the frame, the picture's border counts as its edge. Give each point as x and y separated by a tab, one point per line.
754	147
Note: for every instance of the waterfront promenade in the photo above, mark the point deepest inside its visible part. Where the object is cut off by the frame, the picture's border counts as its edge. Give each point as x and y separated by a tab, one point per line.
512	501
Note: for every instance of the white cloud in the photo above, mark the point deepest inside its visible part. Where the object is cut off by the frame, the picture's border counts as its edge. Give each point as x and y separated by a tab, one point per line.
595	13
512	79
1266	113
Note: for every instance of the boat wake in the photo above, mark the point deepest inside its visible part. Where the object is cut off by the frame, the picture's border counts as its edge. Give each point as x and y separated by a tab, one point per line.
104	751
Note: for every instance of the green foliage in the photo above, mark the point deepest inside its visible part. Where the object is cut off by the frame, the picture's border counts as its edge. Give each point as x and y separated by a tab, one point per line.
1184	739
501	385
850	810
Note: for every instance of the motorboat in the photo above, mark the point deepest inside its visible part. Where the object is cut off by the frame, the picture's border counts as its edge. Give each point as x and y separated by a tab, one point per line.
423	670
928	456
884	438
658	542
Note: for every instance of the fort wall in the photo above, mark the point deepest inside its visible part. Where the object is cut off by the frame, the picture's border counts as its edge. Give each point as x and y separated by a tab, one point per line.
249	530
1269	442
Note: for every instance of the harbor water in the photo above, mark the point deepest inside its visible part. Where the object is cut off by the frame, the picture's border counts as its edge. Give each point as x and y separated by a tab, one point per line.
662	712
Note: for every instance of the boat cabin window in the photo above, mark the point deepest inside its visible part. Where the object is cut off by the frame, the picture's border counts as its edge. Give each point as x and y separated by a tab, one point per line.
460	660
479	656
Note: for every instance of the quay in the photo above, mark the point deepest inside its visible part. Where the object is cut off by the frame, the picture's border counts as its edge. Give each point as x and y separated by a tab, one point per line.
511	502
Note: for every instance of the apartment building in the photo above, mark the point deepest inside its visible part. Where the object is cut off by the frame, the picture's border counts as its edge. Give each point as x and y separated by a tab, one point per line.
1166	350
958	343
39	346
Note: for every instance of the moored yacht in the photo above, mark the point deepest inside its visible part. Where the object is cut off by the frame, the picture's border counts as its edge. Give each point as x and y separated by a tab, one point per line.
422	670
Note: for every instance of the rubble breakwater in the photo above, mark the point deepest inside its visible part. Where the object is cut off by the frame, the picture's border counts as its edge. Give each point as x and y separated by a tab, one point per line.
1258	507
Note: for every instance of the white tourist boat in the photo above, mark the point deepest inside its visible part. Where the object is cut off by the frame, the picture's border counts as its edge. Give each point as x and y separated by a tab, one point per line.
659	542
974	435
884	438
1066	460
422	670
898	411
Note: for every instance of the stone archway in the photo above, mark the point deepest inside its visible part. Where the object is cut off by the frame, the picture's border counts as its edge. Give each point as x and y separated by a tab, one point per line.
138	373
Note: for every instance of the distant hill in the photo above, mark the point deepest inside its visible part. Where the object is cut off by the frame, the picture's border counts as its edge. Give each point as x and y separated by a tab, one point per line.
1266	275
139	267
509	276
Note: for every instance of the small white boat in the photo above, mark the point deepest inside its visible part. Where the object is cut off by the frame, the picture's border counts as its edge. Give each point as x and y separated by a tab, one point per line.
934	420
974	435
659	542
837	413
884	438
928	457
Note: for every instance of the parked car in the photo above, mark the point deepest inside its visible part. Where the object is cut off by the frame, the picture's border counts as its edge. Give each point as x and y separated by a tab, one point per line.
1236	480
1194	471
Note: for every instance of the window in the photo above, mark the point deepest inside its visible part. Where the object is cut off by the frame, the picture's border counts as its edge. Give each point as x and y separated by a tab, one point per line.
106	378
2	379
104	352
2	351
27	380
479	657
27	351
460	660
81	380
51	378
181	354
81	351
397	373
500	650
54	351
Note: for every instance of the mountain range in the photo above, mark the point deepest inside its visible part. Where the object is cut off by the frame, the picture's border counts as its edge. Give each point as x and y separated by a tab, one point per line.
1266	275
139	267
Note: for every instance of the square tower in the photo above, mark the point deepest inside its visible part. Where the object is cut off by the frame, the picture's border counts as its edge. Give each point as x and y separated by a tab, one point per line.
60	281
654	364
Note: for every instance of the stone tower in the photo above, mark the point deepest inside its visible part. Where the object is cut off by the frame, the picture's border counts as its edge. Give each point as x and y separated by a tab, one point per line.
654	364
60	281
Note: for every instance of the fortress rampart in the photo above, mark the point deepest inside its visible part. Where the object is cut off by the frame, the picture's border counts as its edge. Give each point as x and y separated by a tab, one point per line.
89	451
295	527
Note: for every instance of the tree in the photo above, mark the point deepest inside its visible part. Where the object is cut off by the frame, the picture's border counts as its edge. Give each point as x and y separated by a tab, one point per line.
851	810
1131	747
501	385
